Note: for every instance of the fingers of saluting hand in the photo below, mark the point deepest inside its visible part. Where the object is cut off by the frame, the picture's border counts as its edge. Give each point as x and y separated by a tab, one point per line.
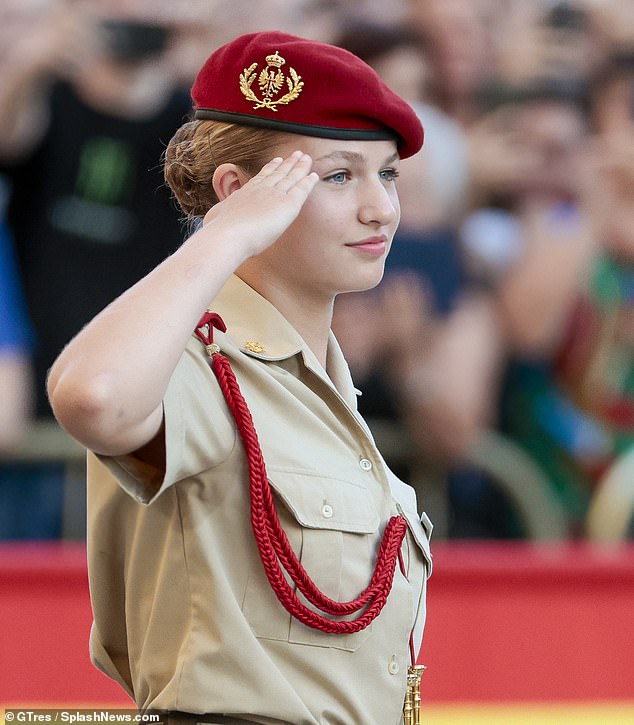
261	209
289	174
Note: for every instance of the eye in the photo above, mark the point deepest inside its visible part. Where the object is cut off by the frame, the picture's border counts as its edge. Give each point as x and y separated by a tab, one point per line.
339	177
390	174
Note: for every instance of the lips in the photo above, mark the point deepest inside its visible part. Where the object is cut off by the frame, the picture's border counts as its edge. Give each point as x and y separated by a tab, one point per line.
375	246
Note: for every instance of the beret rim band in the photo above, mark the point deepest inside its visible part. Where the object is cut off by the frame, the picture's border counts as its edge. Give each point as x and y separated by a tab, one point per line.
245	119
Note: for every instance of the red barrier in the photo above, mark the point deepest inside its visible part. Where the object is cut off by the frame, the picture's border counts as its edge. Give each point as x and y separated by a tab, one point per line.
45	620
514	621
506	622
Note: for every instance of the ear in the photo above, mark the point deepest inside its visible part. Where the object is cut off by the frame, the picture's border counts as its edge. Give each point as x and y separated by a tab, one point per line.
228	178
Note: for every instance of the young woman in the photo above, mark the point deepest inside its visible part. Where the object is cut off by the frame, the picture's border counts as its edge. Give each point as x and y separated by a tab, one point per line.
251	556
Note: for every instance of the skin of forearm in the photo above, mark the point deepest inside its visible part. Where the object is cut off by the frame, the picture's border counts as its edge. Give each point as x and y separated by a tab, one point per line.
536	296
16	396
448	397
23	109
107	385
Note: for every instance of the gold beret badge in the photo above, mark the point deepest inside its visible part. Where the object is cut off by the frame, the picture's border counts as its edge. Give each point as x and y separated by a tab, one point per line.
271	82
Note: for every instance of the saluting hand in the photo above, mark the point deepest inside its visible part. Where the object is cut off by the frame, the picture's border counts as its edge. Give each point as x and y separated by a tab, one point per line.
258	210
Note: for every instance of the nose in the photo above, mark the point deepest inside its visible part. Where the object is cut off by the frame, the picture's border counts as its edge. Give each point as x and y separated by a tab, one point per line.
378	204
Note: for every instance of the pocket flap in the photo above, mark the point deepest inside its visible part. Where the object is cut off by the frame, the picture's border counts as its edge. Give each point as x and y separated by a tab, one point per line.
420	530
319	502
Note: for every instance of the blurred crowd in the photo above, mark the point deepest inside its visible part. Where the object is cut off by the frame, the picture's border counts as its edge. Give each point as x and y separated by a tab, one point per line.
508	299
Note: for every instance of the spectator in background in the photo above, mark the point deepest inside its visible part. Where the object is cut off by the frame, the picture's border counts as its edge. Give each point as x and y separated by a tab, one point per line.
554	242
541	46
460	37
85	179
533	245
555	39
90	95
612	95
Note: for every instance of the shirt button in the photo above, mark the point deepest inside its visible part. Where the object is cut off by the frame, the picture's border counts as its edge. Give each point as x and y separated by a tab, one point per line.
393	667
365	464
327	511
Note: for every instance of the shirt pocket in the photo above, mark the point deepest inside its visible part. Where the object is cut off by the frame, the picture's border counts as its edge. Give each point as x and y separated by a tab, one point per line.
333	527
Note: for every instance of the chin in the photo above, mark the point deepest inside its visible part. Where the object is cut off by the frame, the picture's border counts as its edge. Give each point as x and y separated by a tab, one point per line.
364	283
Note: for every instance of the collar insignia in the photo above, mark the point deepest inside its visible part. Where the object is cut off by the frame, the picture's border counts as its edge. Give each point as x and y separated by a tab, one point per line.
271	82
254	346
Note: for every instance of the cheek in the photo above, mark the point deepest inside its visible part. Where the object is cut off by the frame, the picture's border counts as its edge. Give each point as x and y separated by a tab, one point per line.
323	216
304	238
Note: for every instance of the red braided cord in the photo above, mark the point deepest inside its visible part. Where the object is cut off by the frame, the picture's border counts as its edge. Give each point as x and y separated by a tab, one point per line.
273	544
271	521
263	520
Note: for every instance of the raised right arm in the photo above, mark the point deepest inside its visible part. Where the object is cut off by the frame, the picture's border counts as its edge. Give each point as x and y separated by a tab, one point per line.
106	387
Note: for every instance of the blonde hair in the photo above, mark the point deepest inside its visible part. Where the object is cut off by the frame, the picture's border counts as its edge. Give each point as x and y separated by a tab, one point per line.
199	147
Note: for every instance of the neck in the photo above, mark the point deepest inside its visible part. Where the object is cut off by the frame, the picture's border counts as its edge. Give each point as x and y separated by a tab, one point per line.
311	317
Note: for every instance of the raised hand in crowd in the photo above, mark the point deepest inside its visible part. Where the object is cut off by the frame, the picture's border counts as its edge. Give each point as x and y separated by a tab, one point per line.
39	41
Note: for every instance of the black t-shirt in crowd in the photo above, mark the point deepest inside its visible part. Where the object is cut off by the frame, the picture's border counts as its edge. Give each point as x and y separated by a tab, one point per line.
91	215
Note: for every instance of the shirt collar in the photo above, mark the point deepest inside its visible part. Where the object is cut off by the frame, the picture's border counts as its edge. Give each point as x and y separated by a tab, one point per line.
254	324
339	372
260	330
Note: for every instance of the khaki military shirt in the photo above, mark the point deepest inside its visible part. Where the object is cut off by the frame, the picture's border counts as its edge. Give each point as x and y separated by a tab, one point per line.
184	617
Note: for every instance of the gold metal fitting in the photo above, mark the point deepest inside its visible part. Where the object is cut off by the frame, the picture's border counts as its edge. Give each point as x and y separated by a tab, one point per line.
411	706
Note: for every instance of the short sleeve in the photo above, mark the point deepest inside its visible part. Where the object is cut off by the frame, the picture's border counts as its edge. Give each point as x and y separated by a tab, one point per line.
199	431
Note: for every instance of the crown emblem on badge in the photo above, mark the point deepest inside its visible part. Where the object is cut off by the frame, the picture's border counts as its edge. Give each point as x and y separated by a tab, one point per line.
271	83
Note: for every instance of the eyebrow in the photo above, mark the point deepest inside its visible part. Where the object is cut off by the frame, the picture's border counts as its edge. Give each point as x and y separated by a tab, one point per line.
353	157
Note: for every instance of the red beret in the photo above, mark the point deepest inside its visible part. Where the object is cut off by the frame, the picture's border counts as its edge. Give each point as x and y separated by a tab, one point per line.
285	83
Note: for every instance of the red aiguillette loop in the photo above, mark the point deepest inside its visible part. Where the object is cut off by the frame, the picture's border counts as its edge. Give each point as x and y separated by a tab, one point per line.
278	558
209	320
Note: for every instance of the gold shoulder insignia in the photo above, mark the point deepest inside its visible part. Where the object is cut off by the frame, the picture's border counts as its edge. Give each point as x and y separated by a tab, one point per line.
254	346
271	82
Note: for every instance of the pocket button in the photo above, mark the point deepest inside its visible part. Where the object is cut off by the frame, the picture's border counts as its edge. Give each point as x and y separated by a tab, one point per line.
327	511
